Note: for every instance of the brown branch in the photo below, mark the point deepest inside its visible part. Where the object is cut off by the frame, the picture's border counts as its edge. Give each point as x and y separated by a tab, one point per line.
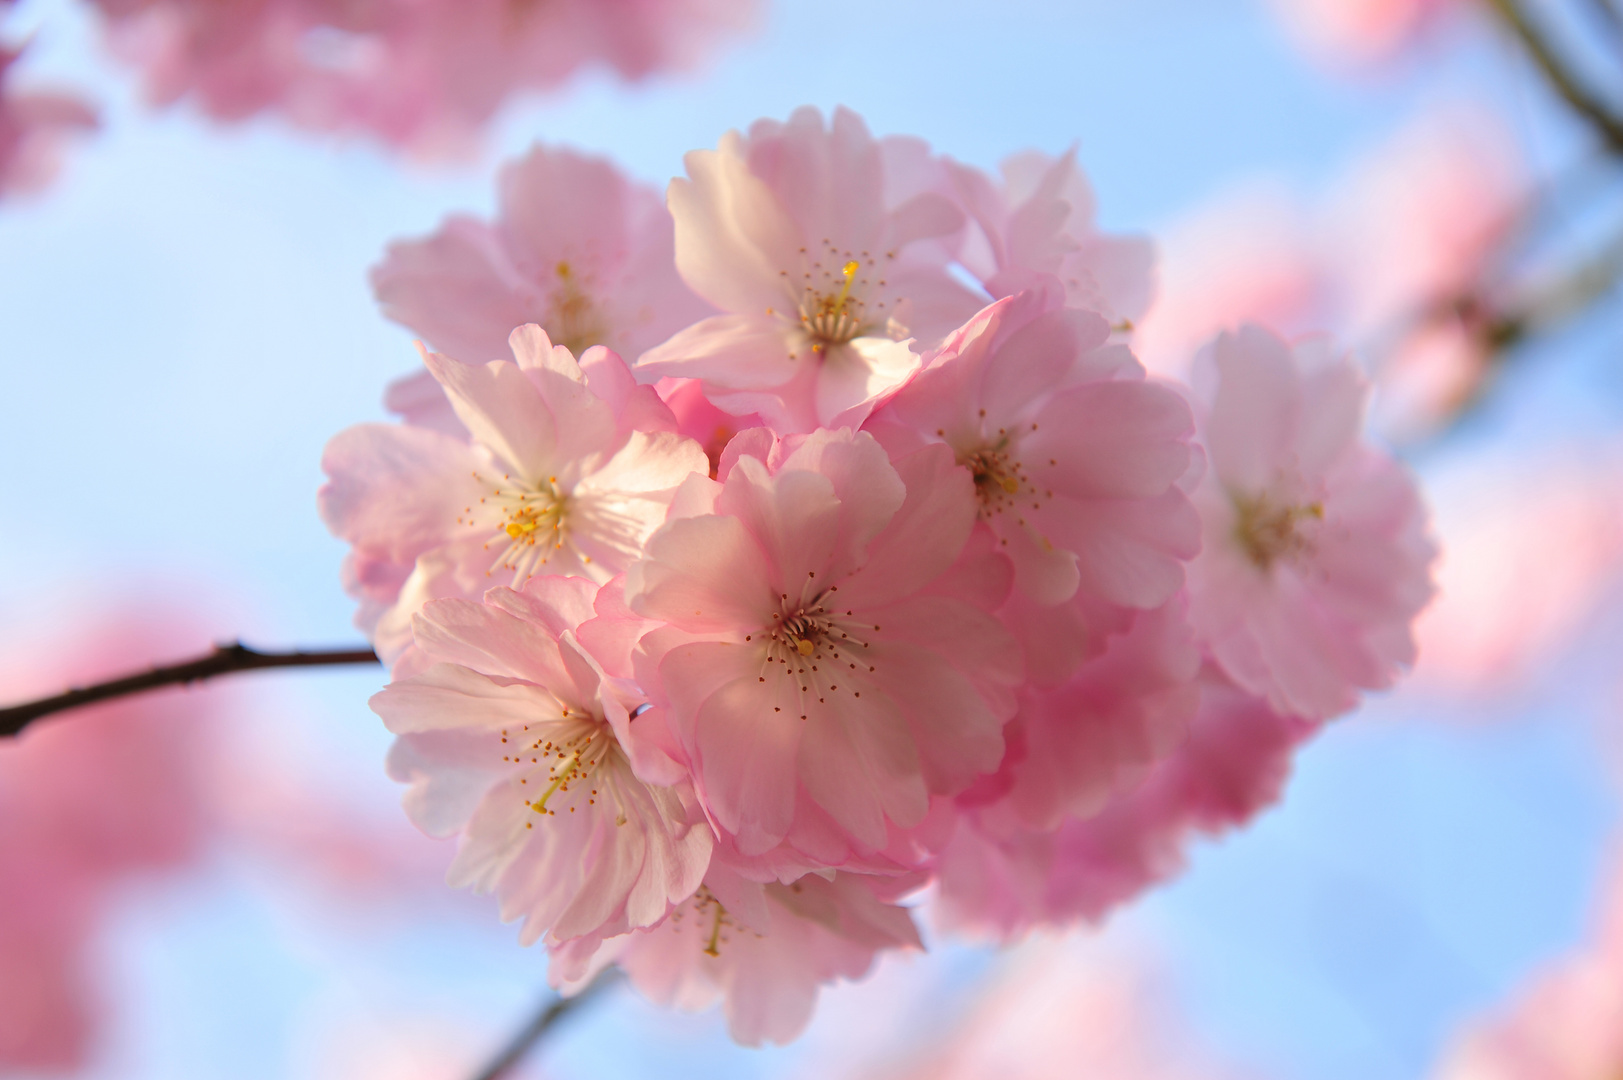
221	660
1583	101
554	1011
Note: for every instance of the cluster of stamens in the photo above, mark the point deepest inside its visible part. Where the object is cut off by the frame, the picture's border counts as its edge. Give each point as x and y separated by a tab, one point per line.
573	750
715	926
833	307
1268	532
1001	483
814	643
530	521
572	318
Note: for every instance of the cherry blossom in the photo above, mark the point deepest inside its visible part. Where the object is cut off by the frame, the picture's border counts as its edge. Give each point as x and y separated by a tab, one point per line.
425	75
1075	457
1073	746
1042	220
1316	557
576	248
514	739
33	126
570	467
1000	878
828	250
764	950
826	666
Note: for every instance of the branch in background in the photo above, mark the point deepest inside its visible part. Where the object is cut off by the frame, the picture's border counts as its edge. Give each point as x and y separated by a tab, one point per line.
1585	102
555	1010
222	660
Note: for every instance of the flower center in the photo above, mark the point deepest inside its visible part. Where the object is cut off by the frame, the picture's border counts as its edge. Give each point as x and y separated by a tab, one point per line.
1000	479
710	919
572	751
816	645
531	522
573	320
1267	532
839	298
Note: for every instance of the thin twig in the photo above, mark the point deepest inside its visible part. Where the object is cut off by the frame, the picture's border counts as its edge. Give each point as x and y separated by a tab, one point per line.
1586	103
221	660
555	1010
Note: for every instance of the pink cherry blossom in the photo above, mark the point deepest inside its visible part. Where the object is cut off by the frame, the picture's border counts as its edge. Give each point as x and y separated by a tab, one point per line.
829	662
571	466
1000	878
425	74
515	740
576	248
1042	219
1316	558
1074	746
828	251
32	128
1074	456
764	950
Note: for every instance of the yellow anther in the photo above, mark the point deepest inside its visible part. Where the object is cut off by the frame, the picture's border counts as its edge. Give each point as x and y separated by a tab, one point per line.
850	271
563	269
1009	484
804	647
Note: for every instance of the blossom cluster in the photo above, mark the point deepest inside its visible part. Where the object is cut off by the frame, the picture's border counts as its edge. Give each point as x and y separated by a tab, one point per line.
750	570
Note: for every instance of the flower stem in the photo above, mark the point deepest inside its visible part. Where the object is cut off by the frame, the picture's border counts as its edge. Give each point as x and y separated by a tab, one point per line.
221	660
552	1012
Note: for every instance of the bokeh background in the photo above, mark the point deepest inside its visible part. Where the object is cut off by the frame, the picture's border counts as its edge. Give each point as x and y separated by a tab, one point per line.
185	320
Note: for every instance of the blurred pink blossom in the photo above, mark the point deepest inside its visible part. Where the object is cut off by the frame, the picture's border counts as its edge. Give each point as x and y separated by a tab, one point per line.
1316	557
33	126
1504	605
1565	1024
1056	1011
1390	258
1357	31
425	74
86	800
